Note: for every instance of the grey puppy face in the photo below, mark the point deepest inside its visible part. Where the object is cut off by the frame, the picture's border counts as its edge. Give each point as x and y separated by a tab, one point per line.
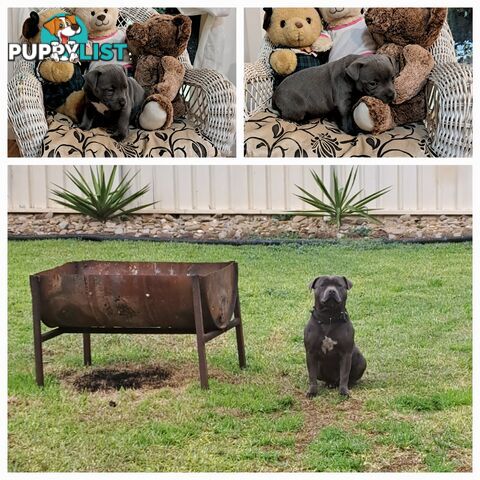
330	290
373	76
108	84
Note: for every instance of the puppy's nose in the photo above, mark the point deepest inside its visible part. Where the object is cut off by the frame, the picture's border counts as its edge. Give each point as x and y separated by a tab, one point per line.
122	102
391	96
101	17
299	24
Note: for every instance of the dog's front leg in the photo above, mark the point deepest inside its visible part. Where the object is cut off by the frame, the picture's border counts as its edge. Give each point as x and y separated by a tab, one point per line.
347	123
313	365
87	119
345	367
122	125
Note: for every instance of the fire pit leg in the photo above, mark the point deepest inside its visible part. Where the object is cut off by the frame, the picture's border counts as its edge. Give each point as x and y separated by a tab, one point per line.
197	310
87	351
239	332
37	331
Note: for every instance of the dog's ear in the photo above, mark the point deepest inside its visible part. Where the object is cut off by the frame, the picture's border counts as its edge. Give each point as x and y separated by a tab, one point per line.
51	25
30	26
73	19
353	70
348	283
91	78
267	18
314	281
394	64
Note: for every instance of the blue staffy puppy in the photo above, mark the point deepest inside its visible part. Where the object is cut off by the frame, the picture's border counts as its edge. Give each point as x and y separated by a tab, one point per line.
332	90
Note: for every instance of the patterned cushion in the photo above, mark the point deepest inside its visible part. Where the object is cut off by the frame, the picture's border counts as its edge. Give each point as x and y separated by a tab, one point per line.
180	140
267	135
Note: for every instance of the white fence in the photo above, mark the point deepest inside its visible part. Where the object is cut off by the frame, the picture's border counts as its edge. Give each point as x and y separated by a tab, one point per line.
258	189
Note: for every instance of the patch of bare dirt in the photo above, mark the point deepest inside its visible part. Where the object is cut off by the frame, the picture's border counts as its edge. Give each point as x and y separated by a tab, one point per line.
116	378
139	377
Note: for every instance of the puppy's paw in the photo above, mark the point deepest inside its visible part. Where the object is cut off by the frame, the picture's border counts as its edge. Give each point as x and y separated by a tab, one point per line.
119	135
153	116
85	126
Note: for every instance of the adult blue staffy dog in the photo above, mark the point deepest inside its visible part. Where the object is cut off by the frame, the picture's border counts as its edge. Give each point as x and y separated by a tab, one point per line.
332	355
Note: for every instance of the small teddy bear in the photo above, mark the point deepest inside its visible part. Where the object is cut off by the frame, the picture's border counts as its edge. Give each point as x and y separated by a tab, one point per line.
62	81
349	32
101	23
155	46
404	34
299	39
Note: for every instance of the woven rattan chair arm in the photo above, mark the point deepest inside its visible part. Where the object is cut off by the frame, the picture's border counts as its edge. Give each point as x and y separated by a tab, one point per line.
26	112
211	102
258	87
449	119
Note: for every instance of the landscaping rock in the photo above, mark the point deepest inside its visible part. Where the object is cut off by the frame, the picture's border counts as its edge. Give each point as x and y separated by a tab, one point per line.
243	226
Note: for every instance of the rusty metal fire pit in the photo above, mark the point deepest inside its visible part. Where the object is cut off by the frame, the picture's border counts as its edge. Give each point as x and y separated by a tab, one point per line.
137	297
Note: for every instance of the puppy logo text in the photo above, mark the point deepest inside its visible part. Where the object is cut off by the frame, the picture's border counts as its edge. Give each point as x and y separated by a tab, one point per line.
64	38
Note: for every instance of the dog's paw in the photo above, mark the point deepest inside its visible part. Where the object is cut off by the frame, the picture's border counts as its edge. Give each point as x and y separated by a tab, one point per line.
153	116
119	135
85	126
312	392
344	391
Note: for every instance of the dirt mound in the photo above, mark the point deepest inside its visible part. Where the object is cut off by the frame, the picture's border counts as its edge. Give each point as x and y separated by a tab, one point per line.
115	378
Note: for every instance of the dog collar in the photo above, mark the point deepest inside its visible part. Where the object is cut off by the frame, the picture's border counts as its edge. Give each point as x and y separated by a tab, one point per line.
342	317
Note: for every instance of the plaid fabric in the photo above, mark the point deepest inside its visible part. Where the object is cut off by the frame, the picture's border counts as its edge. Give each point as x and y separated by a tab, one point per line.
55	94
303	61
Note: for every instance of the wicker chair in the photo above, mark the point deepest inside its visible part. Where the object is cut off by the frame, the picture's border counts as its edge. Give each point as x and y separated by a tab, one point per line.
210	100
449	97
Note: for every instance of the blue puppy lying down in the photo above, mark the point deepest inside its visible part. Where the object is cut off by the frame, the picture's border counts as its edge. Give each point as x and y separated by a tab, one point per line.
332	90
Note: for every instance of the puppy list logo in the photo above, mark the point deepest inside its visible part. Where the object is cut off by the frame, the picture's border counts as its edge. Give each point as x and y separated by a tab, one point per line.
64	38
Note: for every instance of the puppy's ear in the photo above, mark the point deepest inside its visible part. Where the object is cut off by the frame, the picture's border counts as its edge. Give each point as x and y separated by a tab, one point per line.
353	70
51	25
348	283
394	64
312	285
91	79
267	18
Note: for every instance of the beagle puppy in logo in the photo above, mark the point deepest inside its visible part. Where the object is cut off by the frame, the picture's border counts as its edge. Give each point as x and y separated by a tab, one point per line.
63	28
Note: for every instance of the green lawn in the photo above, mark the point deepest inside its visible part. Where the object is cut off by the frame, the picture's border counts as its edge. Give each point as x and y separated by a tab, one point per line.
411	307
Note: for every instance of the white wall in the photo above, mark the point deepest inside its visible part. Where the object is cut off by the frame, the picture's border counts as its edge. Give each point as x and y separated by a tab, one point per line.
258	189
253	33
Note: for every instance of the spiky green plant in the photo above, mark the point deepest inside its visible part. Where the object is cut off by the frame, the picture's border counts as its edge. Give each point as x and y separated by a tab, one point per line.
341	202
100	199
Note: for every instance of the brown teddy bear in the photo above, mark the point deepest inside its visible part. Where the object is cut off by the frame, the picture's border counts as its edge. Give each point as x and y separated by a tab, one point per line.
297	34
404	34
102	28
62	82
155	46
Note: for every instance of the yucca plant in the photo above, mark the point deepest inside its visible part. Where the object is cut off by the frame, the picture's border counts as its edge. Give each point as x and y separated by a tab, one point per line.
341	202
99	199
